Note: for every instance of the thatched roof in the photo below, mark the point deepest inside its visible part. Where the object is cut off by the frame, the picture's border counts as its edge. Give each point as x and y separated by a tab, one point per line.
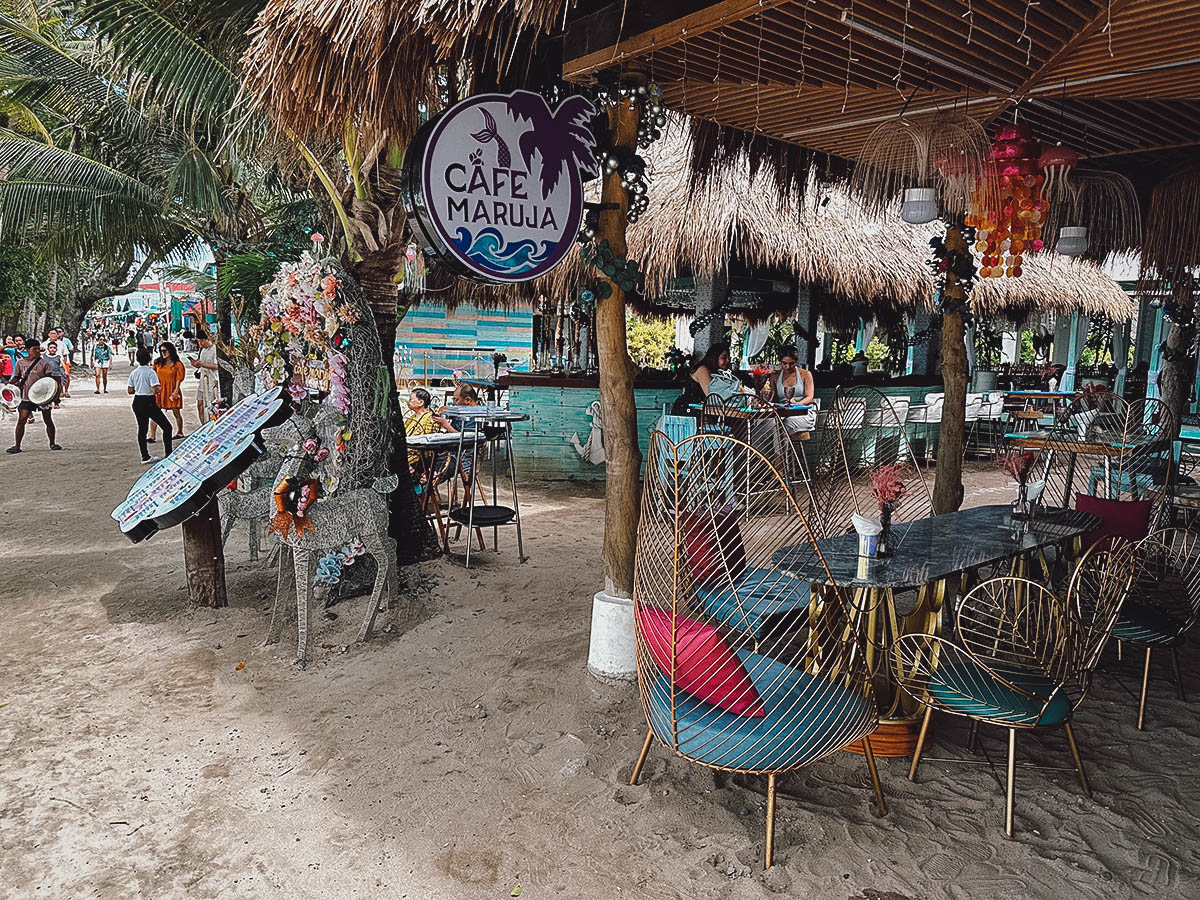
874	264
318	64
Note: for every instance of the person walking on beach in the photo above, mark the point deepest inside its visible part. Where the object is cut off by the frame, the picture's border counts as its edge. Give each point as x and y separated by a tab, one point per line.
101	363
170	372
30	369
142	384
131	344
206	370
57	368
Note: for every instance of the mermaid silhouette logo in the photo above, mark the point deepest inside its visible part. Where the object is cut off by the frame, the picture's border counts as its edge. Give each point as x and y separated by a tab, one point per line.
498	194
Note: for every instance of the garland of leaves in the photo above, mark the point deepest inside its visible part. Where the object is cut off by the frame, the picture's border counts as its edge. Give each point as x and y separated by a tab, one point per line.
953	268
652	118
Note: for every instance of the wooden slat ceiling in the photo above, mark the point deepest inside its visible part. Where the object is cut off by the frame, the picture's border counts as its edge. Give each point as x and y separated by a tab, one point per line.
1107	78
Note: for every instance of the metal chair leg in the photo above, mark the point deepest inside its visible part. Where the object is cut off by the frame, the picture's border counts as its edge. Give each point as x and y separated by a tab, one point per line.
973	735
1145	688
769	853
1120	649
1178	674
912	770
641	760
880	805
1008	799
1083	782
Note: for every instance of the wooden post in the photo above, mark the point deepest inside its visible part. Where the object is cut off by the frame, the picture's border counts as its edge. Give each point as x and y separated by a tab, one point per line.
1178	363
623	458
204	557
947	485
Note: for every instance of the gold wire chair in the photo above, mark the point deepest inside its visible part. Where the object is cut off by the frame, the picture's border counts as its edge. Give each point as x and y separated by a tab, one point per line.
863	432
1022	657
750	418
1164	601
742	667
1104	446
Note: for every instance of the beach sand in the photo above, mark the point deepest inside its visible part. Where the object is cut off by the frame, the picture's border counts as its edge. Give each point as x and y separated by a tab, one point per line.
154	750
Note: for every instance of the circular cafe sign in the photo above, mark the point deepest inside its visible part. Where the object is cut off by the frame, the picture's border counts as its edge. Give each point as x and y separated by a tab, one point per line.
494	185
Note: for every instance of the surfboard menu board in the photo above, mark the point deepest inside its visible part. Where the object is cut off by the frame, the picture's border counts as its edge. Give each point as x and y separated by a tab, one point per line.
206	461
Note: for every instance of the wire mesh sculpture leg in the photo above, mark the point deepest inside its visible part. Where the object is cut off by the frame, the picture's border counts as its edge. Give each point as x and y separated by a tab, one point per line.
376	545
1012	765
641	760
284	584
1145	687
255	545
303	568
880	805
912	771
770	850
1083	782
1178	674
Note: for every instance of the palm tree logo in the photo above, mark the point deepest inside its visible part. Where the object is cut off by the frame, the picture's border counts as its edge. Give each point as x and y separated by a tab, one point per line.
561	137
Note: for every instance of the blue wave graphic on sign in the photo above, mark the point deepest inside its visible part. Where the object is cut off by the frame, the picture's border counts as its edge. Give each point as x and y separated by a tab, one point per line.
488	250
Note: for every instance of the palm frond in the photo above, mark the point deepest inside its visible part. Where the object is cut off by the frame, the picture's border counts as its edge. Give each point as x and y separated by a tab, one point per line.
164	64
196	184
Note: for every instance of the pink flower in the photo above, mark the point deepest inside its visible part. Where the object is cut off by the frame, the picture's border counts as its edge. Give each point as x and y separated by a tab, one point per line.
309	446
322	454
318	238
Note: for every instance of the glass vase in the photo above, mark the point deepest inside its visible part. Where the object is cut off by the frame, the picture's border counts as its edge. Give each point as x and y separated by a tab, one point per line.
885	536
1021	507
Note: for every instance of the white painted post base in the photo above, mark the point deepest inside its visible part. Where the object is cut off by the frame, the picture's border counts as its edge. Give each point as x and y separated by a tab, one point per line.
611	653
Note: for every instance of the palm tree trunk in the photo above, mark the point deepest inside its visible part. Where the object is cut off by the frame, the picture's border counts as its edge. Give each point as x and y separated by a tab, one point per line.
623	458
415	538
948	483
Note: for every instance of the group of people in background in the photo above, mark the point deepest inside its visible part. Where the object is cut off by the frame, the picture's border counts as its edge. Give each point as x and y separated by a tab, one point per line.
421	418
156	383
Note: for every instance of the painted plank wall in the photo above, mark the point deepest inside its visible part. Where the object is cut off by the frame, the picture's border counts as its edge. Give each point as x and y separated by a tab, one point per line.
468	330
541	447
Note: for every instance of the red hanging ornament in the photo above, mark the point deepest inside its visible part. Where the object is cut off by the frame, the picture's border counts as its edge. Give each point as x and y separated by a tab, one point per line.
1014	226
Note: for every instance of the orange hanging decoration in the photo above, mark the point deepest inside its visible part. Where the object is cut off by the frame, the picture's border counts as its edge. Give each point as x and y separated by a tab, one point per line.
1013	224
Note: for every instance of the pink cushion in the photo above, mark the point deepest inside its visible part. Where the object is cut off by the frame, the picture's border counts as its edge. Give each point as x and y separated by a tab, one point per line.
713	544
1128	519
704	664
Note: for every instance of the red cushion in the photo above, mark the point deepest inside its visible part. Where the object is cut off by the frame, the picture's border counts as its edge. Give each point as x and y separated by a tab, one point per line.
704	664
1129	519
713	544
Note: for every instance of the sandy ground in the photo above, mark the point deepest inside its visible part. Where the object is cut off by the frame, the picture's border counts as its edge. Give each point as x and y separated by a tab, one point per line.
159	751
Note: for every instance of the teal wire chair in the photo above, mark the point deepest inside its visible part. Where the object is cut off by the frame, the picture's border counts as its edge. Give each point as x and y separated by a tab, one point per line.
1022	658
1164	601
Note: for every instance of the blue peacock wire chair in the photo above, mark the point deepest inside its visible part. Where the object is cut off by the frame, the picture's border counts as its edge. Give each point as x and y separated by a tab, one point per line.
1022	656
741	666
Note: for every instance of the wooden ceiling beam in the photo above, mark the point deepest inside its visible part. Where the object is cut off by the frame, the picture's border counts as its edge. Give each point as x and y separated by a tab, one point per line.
694	24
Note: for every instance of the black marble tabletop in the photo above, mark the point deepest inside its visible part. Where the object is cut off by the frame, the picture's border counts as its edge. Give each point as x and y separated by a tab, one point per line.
934	548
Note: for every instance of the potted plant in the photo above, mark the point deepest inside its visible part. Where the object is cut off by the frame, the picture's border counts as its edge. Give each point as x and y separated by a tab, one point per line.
989	347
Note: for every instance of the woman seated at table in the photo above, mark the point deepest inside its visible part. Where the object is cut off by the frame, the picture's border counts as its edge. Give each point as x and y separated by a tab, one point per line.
464	395
712	373
791	384
418	420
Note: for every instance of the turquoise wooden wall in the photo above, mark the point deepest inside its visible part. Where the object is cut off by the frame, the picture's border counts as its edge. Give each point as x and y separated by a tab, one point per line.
468	330
542	446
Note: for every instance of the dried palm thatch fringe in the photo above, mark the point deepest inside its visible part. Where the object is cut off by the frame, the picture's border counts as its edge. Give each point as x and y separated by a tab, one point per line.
1171	248
870	264
716	148
1105	203
317	65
